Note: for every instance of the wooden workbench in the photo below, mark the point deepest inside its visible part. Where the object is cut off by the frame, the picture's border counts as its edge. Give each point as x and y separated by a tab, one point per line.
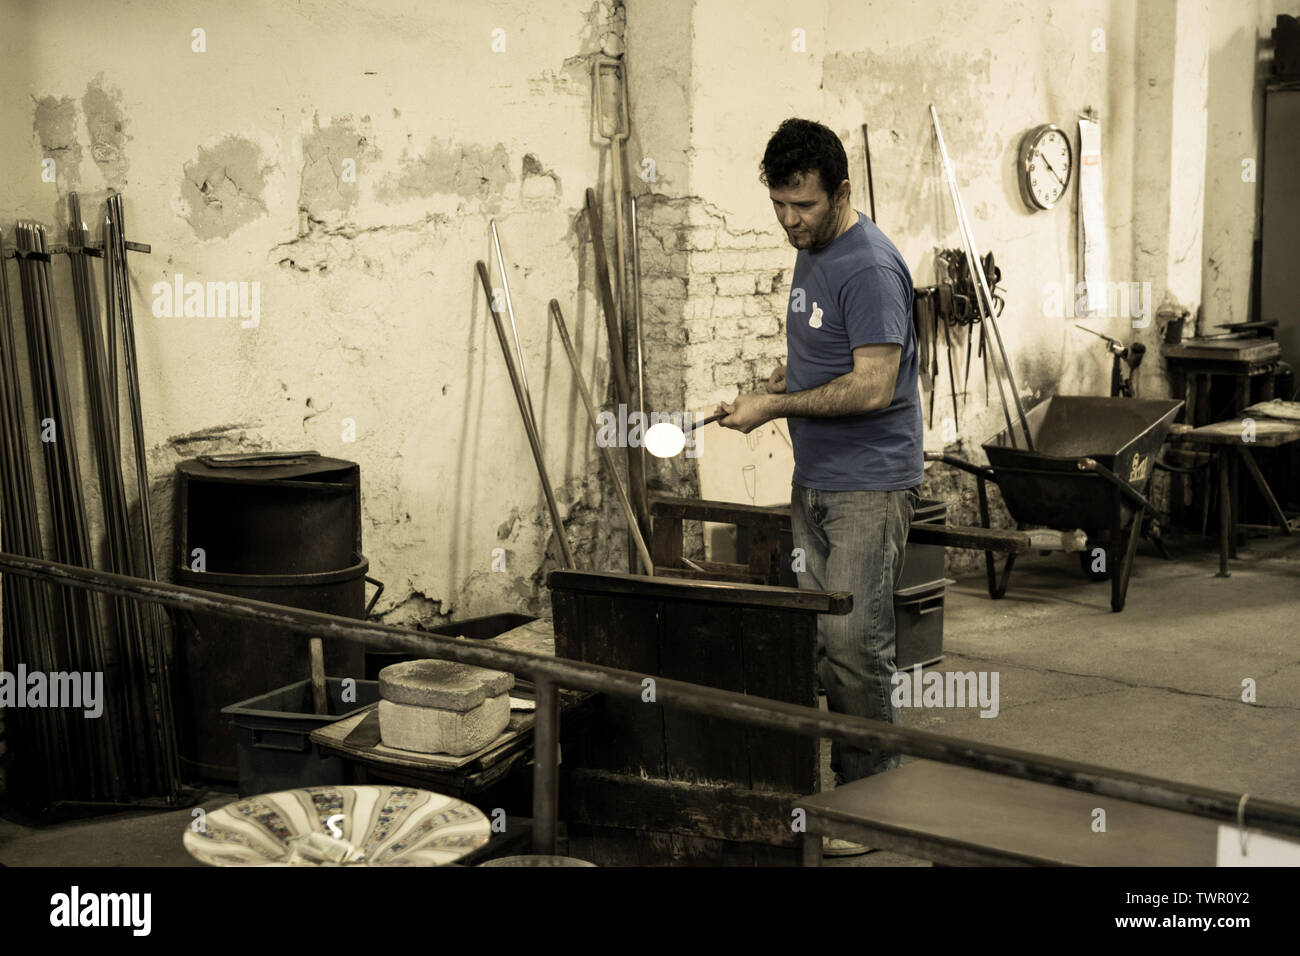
1233	440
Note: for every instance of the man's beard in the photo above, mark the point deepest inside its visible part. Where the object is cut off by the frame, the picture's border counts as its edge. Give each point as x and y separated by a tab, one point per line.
816	238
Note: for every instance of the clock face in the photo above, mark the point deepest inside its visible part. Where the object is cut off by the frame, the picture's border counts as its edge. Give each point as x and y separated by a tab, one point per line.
1046	163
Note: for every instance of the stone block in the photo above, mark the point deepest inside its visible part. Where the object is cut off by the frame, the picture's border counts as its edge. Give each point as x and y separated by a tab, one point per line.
433	730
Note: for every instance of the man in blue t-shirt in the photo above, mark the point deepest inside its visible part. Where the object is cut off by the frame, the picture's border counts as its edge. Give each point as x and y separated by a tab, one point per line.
849	391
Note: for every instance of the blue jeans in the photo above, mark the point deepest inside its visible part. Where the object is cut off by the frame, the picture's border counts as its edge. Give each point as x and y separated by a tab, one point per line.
854	541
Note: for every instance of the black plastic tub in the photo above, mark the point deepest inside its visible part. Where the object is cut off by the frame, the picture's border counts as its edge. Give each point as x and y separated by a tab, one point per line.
273	735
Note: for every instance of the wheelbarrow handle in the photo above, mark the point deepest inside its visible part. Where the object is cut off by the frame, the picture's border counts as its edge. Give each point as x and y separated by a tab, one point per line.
1134	496
976	470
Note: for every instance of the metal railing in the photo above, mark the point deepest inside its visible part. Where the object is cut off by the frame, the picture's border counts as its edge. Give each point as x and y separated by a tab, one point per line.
548	674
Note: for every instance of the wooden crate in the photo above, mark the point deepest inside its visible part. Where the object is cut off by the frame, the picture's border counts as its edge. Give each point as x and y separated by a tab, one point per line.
654	784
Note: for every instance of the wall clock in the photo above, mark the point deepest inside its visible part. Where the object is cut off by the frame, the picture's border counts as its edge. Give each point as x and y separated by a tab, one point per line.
1045	165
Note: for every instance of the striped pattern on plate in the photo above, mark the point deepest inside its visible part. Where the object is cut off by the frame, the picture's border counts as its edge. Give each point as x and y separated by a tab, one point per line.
392	826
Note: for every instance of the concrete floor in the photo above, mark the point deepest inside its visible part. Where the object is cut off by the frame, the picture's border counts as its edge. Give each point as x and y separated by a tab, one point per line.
1153	690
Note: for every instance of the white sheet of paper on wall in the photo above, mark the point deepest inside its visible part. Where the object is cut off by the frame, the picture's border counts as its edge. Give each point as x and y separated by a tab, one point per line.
1093	252
753	469
1262	849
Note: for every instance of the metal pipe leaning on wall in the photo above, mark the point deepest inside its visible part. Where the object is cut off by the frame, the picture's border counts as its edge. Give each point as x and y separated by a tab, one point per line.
530	426
1266	815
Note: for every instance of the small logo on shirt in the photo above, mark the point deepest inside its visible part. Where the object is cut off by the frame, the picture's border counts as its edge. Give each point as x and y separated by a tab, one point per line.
815	320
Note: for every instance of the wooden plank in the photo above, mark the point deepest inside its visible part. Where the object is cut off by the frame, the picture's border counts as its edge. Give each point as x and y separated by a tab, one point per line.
724	512
779	655
978	539
1267	433
616	630
938	806
666	541
701	643
717	593
765	552
737	814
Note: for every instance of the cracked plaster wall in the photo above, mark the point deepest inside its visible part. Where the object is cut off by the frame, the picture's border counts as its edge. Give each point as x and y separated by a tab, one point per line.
347	157
233	167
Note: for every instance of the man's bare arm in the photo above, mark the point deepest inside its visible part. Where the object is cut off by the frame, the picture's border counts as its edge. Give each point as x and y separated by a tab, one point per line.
868	387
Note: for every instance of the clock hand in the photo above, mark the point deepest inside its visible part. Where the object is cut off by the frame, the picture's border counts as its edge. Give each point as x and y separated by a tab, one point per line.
1051	168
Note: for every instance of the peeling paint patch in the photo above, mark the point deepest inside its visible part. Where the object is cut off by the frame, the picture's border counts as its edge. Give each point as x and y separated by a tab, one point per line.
416	610
468	170
333	159
538	185
55	123
224	187
106	125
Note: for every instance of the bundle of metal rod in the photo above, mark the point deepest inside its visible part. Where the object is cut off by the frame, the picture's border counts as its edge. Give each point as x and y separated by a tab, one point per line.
91	744
140	631
155	708
985	300
29	615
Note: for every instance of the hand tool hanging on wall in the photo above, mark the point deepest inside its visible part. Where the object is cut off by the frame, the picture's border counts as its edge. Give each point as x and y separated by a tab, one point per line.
622	391
643	552
984	301
525	403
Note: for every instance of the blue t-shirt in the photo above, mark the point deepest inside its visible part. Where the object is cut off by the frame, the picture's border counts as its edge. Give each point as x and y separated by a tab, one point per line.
856	291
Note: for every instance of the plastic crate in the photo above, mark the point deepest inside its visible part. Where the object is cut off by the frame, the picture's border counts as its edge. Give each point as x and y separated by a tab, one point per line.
918	623
273	735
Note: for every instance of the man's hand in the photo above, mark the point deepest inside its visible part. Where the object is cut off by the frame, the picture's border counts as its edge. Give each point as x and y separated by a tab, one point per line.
776	381
747	412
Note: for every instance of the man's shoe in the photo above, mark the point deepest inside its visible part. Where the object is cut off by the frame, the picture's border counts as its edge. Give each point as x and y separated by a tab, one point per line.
834	847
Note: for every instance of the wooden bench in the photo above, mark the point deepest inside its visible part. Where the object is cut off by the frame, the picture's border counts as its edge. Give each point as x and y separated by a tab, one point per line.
763	527
1232	446
956	816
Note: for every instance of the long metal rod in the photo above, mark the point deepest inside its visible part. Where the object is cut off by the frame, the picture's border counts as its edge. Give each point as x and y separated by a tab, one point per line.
983	307
646	561
640	342
871	186
978	267
546	776
1220	805
514	327
534	441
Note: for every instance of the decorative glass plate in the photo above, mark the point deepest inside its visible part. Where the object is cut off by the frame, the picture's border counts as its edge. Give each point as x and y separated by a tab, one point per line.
341	825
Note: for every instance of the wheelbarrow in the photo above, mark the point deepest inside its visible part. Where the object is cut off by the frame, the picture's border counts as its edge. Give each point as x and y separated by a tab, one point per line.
1090	469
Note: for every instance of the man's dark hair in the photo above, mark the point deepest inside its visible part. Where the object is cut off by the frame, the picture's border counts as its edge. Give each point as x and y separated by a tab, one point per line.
801	146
